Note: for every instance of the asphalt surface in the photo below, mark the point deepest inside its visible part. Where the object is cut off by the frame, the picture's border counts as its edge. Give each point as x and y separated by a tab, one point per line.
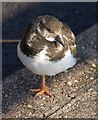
73	92
79	16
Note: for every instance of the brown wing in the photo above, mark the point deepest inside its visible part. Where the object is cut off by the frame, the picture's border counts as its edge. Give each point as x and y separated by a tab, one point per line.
69	38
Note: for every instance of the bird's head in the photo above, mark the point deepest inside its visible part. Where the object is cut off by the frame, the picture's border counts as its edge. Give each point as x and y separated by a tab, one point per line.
49	27
44	30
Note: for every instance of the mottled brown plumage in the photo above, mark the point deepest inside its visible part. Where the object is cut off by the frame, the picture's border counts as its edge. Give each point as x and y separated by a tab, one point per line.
33	40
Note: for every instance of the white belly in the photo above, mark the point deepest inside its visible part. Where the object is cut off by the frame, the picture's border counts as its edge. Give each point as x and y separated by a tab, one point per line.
41	64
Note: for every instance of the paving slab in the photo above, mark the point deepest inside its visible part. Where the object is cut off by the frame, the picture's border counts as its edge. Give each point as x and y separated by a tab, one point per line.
73	92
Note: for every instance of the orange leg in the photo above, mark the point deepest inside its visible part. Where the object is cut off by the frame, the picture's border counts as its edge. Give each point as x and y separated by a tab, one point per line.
43	89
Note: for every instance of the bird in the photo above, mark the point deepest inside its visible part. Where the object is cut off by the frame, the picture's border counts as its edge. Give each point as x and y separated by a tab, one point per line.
47	47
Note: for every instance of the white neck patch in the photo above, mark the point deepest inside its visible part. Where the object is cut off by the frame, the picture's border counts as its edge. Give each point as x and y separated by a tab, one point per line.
51	39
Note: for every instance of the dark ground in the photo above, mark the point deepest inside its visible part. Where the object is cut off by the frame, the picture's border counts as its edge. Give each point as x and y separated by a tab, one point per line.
79	16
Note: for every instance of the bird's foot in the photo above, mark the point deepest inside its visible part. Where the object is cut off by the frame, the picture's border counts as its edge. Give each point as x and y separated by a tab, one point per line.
43	89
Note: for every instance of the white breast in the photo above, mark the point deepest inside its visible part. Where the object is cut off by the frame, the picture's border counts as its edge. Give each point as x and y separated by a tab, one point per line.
40	64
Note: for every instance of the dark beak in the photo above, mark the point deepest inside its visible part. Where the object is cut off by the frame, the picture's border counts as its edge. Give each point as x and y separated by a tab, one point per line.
58	39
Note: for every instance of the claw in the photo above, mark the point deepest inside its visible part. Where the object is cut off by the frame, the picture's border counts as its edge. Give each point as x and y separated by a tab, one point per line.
43	89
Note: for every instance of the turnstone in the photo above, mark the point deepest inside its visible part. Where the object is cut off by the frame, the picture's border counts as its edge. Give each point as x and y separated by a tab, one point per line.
47	47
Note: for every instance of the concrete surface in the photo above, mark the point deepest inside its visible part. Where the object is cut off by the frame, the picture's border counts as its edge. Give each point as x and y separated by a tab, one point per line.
74	92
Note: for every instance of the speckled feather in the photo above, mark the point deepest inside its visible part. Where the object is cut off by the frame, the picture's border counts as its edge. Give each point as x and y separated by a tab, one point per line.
38	49
32	37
